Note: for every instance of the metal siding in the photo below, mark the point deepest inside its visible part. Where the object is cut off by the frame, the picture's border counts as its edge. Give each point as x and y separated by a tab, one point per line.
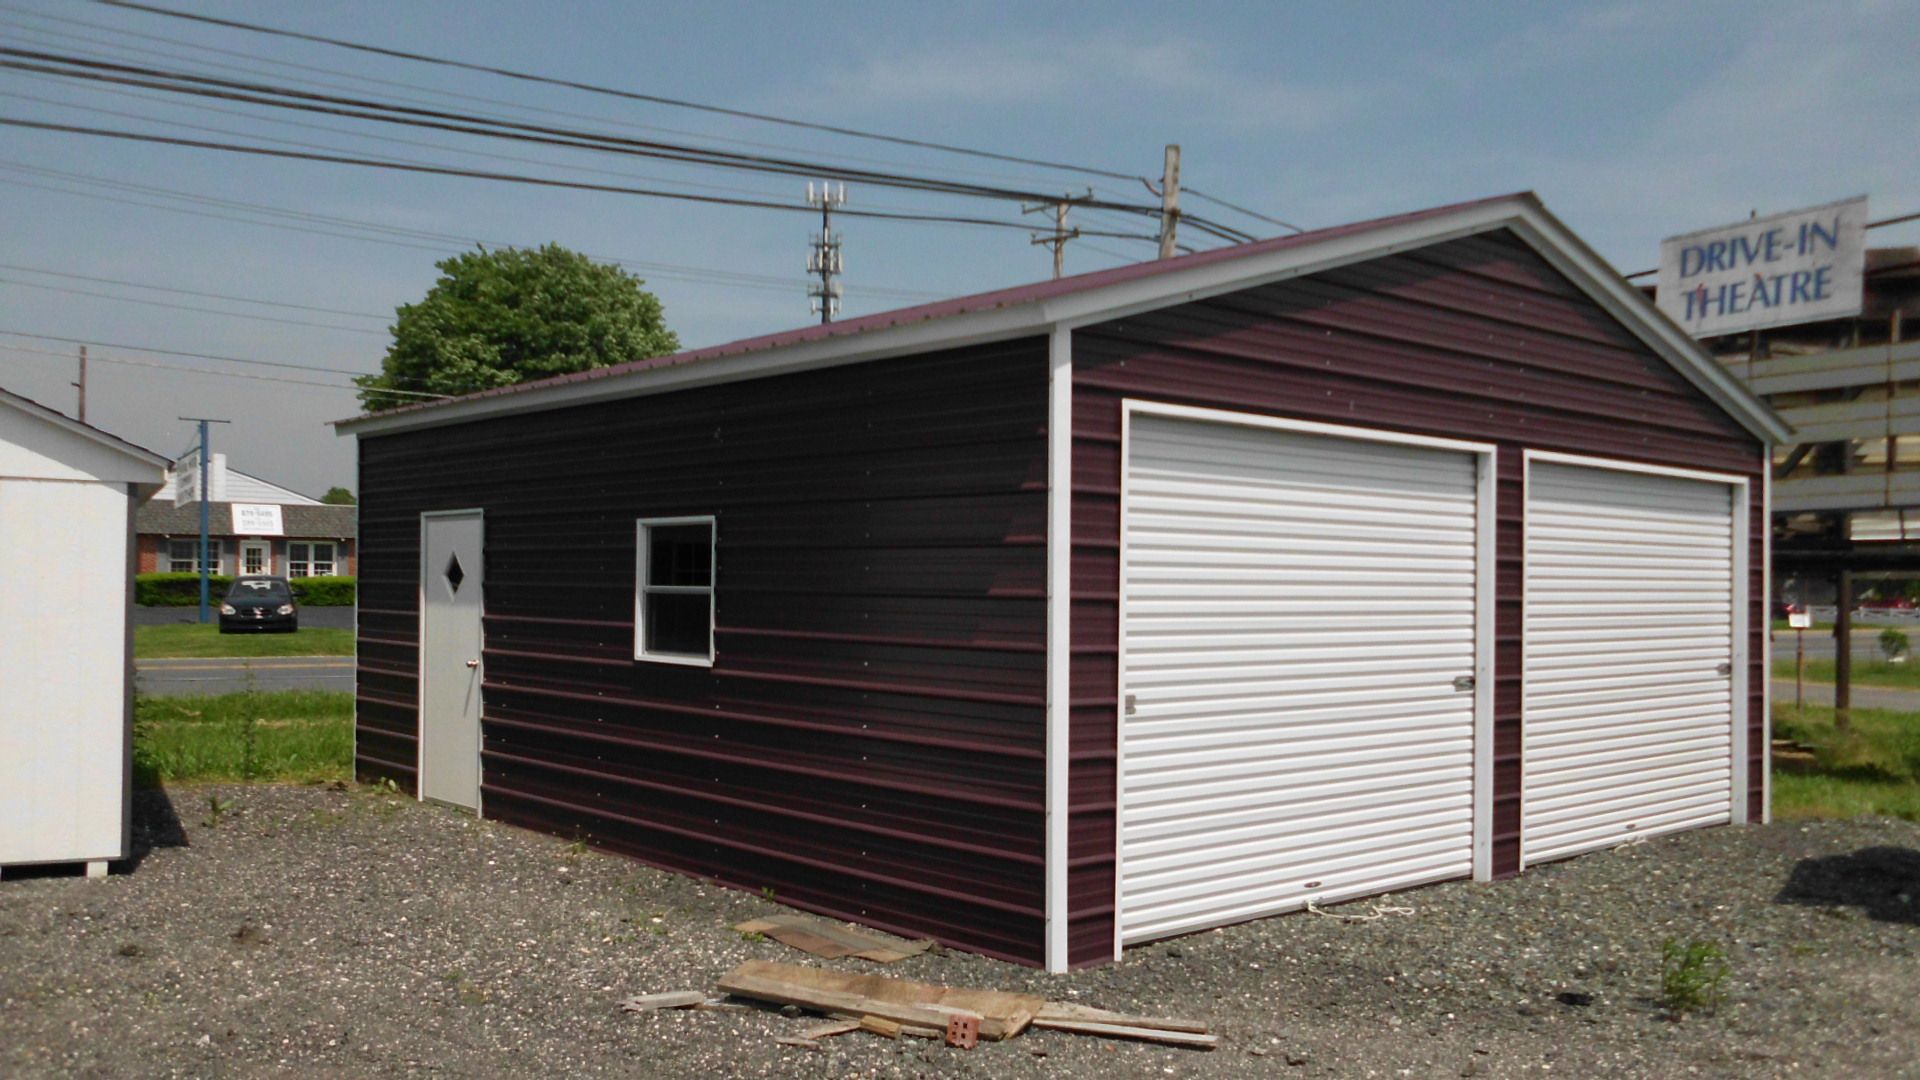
1477	338
1629	613
870	740
1287	745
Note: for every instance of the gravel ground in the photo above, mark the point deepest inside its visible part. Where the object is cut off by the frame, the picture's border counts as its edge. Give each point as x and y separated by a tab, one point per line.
306	929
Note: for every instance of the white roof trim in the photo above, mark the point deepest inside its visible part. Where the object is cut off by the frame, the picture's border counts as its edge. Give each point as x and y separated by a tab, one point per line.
86	431
1521	213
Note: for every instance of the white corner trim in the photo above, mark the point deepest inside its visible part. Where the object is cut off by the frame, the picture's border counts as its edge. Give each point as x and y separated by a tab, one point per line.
1766	602
1059	636
1486	609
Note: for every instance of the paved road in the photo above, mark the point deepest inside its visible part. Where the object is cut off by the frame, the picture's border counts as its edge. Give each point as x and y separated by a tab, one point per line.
1820	643
323	617
230	676
1864	697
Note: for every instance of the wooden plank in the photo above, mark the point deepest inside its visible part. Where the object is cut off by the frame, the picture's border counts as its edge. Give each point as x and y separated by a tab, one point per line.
831	940
827	1031
1848	491
676	999
852	995
1836	421
1868	365
1122	1031
1063	1010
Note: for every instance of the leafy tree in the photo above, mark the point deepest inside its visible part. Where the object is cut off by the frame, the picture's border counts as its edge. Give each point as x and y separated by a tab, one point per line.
500	317
338	496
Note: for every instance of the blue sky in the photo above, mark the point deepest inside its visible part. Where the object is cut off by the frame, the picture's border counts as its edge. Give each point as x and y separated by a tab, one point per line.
1632	120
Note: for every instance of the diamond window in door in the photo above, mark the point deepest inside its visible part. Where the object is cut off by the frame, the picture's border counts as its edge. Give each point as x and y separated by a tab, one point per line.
454	575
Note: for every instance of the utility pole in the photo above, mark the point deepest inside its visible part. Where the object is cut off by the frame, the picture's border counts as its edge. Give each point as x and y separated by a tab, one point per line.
206	497
825	261
1169	201
82	384
1058	241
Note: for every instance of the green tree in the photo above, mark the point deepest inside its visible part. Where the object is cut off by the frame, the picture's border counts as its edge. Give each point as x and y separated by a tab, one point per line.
500	317
338	496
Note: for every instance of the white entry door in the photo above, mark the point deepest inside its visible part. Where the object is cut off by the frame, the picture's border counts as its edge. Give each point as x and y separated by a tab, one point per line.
452	559
256	557
1301	664
1634	611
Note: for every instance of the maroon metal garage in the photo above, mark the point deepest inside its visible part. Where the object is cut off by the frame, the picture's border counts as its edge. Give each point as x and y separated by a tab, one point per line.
1409	550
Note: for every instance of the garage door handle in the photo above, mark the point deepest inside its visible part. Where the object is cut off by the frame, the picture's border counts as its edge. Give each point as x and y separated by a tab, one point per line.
1724	669
1465	682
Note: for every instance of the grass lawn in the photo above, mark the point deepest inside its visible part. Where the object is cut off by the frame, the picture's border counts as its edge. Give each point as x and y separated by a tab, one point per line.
291	735
1867	673
196	640
1872	769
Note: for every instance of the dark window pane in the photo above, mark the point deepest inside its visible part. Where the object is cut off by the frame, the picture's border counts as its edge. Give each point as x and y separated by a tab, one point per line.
678	623
680	555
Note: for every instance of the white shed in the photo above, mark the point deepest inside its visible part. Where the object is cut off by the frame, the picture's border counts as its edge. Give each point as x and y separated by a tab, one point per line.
67	496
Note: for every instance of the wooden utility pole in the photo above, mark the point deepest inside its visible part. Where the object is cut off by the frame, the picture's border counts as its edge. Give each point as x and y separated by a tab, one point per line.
82	384
1061	234
1170	201
1843	653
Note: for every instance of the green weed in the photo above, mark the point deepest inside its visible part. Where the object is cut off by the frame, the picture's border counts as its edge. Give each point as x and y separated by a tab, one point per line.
1691	976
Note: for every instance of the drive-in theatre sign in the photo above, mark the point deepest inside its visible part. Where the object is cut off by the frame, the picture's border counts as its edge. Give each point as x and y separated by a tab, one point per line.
1796	267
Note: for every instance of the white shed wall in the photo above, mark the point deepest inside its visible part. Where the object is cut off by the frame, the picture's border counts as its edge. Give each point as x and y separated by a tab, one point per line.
65	709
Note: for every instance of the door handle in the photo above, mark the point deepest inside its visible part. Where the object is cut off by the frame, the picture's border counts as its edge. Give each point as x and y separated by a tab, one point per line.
1465	682
473	663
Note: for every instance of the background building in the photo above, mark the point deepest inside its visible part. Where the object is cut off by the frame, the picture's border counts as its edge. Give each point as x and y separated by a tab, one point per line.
279	531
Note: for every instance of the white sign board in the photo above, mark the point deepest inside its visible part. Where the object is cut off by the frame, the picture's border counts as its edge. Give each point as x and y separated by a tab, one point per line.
186	478
1799	620
1790	268
256	519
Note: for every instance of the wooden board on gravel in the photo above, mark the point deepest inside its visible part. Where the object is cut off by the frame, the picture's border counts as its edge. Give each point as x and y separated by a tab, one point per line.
853	996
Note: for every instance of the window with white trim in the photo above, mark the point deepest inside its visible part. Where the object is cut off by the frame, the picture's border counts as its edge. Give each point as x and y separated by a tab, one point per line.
310	559
183	556
673	601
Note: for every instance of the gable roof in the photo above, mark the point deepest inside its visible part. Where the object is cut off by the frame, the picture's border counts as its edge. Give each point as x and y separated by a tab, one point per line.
1064	303
87	431
317	521
243	488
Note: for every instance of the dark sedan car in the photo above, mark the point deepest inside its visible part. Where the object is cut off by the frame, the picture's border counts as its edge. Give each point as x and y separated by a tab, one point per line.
259	603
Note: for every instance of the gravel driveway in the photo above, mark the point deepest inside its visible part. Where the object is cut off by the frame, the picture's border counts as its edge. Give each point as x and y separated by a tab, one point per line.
307	929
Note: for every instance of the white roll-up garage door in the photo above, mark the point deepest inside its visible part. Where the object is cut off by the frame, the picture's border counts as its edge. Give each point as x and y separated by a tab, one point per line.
1629	652
1297	609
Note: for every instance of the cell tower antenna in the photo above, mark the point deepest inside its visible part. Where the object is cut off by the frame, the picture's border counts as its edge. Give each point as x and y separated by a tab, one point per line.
824	261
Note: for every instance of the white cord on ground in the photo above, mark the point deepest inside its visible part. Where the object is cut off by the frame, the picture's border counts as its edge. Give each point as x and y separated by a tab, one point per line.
1378	911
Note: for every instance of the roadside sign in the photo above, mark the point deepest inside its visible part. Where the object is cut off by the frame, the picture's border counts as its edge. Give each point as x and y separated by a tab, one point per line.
1801	266
1799	620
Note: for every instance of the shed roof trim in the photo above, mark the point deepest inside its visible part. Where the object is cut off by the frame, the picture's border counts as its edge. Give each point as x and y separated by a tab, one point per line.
1108	294
84	430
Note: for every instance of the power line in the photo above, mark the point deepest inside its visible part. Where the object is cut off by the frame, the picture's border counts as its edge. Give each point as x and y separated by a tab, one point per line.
415	87
191	307
464	123
178	352
655	99
441	241
514	178
185	369
189	292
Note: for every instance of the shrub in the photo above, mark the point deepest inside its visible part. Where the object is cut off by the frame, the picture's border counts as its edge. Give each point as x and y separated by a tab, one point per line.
177	590
183	590
324	591
1893	643
1690	975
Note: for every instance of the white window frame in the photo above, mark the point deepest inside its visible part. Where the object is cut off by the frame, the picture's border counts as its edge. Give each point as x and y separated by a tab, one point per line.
642	587
332	561
216	556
